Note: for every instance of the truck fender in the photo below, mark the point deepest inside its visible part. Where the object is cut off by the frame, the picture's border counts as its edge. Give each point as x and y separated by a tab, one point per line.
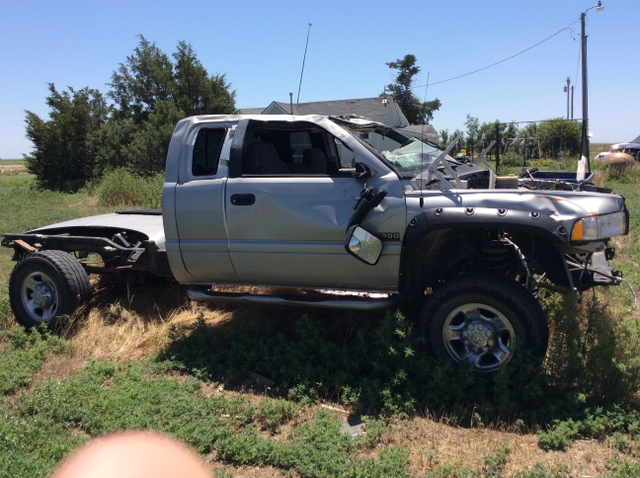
426	249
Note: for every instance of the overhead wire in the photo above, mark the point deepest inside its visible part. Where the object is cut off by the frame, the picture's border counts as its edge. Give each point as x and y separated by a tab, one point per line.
503	60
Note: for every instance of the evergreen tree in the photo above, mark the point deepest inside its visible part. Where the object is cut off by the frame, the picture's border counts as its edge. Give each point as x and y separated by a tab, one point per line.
84	136
417	112
64	157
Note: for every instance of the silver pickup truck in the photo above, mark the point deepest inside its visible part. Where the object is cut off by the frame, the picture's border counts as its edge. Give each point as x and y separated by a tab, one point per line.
343	214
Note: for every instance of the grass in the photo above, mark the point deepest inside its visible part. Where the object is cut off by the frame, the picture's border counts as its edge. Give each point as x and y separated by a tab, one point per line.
122	187
254	389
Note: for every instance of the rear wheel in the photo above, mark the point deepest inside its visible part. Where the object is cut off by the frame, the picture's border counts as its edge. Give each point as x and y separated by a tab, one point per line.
45	285
484	319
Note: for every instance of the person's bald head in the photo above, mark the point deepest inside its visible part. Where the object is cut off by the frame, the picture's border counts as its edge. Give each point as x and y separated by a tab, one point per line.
135	454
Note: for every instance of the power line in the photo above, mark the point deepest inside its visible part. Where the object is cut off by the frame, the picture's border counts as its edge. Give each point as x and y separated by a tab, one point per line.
502	61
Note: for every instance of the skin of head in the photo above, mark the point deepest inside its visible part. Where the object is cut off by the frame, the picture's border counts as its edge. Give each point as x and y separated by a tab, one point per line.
133	454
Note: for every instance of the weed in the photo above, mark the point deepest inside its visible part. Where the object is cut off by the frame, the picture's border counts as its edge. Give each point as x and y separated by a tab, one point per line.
6	315
539	471
222	474
494	464
24	354
623	469
560	436
272	414
376	429
33	445
315	449
620	443
122	187
104	398
589	357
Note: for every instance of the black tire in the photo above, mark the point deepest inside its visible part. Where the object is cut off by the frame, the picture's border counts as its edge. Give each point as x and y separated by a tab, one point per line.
484	319
45	285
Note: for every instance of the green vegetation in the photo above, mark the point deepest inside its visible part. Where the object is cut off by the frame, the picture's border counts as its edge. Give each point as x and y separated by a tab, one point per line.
87	135
124	187
367	364
416	111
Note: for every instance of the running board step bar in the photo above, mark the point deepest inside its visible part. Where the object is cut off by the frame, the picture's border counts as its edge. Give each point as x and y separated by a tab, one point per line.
348	302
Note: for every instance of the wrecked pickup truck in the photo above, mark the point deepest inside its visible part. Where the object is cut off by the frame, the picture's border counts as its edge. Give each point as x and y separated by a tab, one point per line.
347	214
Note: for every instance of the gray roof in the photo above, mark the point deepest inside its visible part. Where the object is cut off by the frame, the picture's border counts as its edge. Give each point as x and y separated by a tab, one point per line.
252	111
383	110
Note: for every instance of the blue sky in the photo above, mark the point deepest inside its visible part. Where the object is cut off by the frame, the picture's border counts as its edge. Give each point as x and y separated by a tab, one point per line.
259	45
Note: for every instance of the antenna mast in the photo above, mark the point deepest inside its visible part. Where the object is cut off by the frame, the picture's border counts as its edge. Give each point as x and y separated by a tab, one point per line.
303	60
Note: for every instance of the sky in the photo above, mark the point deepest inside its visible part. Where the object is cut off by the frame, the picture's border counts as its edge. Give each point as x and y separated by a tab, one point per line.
260	44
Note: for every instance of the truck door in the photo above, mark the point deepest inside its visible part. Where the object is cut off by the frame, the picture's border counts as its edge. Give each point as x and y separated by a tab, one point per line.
287	212
199	205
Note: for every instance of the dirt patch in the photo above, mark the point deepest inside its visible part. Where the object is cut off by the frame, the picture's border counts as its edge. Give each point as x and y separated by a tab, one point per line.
58	367
433	443
11	167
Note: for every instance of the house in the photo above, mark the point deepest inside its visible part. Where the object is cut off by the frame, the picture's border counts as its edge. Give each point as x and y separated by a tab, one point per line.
382	110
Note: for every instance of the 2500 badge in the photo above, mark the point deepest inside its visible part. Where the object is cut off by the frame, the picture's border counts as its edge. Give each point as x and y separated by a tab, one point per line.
390	236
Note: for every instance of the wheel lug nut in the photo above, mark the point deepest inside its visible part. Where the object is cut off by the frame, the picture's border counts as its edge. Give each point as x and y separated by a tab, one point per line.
485	349
491	343
480	327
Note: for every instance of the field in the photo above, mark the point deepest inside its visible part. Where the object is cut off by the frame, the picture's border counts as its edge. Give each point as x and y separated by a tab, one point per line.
275	392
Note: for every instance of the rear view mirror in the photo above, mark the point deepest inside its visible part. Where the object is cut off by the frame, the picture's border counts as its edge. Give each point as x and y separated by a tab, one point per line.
363	245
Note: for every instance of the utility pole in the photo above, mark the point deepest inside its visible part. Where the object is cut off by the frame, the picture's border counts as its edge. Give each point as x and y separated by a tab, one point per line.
567	90
572	88
584	150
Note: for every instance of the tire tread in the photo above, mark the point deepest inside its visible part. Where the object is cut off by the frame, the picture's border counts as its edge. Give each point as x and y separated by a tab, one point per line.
62	263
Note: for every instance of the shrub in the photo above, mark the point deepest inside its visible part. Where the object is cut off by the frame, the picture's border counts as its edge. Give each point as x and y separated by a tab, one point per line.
121	187
511	160
591	356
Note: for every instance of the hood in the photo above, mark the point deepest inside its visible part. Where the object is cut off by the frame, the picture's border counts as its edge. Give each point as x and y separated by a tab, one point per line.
561	205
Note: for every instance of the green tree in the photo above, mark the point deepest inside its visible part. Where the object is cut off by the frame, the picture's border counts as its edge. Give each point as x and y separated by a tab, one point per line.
196	92
460	145
486	134
509	136
558	135
64	158
417	112
445	138
473	126
147	149
530	132
85	136
152	94
146	77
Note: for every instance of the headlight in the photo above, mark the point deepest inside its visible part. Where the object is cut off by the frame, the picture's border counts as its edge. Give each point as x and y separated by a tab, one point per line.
599	227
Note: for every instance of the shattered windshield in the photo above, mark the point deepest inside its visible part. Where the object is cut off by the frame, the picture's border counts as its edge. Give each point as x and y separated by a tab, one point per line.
413	157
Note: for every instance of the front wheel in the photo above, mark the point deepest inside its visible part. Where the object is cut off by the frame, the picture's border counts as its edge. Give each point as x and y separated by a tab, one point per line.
484	319
45	285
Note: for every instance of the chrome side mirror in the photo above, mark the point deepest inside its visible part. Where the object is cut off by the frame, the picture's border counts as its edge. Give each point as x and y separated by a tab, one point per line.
363	245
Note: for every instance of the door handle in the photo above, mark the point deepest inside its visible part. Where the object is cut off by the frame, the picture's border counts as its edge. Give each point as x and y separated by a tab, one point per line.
243	199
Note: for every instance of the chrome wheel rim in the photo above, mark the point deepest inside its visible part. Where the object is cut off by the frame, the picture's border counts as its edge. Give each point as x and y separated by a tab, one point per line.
39	296
479	334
